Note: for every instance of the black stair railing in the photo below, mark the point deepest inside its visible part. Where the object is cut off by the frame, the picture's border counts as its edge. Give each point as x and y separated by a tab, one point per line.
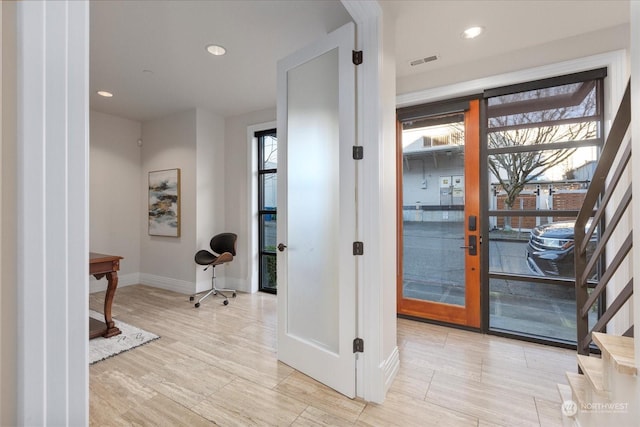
604	184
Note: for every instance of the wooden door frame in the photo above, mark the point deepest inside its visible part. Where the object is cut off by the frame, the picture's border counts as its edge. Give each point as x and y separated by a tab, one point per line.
468	315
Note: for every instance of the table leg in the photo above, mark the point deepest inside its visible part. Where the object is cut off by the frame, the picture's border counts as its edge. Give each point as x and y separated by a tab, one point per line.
112	279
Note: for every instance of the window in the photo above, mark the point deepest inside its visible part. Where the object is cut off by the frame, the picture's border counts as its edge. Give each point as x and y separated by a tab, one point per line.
542	144
267	212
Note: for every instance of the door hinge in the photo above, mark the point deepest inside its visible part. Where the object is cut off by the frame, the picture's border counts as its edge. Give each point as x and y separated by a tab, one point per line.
358	248
358	152
358	345
357	57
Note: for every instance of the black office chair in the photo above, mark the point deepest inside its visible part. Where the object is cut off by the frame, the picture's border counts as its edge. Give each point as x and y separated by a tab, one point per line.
224	249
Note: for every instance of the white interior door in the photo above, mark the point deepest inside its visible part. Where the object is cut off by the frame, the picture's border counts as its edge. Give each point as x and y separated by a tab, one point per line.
316	211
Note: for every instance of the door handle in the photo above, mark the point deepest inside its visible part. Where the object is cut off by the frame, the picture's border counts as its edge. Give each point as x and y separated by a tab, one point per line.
281	247
472	246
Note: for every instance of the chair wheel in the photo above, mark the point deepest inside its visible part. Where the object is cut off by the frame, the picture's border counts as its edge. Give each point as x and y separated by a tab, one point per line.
190	298
197	304
225	302
233	295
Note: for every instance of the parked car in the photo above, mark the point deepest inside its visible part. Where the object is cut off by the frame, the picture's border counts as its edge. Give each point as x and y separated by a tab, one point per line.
550	249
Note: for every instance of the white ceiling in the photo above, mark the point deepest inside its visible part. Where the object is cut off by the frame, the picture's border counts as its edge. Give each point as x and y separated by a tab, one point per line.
168	38
426	28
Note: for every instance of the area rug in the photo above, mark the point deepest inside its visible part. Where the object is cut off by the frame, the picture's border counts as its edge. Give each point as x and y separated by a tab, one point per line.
131	337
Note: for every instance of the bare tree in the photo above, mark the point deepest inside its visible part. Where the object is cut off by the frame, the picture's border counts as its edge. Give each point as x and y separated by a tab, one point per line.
270	152
519	120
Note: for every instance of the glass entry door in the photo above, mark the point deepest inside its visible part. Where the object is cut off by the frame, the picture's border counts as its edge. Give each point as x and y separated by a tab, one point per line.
438	214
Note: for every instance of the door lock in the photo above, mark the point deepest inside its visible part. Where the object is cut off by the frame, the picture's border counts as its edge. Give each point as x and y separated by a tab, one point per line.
472	246
472	222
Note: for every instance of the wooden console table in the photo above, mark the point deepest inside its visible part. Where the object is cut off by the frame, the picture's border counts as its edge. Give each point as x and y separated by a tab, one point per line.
101	265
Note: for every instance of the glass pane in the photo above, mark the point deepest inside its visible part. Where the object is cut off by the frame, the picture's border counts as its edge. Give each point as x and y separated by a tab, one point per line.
433	210
543	116
433	263
539	179
313	190
268	272
508	248
268	230
546	179
536	246
268	152
268	191
540	309
550	250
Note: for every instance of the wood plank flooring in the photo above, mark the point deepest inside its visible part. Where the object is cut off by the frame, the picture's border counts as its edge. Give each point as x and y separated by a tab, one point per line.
217	365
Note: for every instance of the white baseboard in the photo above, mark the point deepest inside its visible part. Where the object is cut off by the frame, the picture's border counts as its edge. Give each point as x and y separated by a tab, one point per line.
381	375
390	369
237	284
123	280
175	285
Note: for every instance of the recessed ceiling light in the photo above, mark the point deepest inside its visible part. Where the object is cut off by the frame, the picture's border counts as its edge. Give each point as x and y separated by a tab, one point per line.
472	32
104	93
216	50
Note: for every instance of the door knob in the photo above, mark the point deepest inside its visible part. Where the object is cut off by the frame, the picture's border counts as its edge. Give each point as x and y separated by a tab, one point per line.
281	247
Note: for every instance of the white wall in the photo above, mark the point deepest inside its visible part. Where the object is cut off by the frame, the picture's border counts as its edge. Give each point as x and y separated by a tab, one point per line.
211	187
419	169
376	91
115	210
387	189
635	166
239	211
624	318
170	143
606	40
8	220
192	141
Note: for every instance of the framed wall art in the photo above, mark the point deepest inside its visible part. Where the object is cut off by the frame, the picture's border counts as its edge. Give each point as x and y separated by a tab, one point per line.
164	203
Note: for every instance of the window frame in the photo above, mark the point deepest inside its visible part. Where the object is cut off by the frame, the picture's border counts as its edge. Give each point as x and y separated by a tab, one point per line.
599	76
262	213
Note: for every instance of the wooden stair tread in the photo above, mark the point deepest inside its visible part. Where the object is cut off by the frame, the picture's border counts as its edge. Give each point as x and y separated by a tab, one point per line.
593	369
619	349
579	386
565	392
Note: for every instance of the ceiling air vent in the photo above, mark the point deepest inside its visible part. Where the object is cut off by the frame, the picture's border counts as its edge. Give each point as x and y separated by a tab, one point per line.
423	60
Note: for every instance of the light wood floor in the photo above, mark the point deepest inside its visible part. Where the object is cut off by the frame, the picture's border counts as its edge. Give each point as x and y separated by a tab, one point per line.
217	365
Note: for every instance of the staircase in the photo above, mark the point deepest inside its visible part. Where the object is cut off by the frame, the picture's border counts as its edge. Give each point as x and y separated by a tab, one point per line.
605	391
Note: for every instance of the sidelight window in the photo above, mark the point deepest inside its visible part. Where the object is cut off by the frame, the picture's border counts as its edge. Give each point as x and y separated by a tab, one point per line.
267	211
542	144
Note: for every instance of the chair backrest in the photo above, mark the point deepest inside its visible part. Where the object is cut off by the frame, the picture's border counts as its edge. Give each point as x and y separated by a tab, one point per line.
224	242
